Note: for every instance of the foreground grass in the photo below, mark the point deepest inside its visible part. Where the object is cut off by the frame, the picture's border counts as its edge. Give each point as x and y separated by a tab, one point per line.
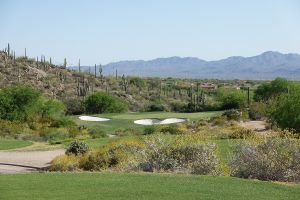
138	186
125	120
6	144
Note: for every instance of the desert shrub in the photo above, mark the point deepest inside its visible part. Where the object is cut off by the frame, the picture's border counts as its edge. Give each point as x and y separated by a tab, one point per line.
163	154
257	111
78	132
102	102
275	159
232	115
148	130
94	161
64	163
53	134
77	147
156	107
121	155
127	132
241	133
74	106
196	158
97	132
13	129
63	122
137	81
218	121
178	106
157	155
173	129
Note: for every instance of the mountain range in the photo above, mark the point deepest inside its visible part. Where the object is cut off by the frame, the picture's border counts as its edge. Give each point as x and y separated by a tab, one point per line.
267	65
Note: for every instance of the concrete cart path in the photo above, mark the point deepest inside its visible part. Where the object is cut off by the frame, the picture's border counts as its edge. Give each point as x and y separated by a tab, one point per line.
26	161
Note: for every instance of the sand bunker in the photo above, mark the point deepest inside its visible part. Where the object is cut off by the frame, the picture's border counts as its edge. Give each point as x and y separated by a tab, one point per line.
157	121
93	119
172	121
147	121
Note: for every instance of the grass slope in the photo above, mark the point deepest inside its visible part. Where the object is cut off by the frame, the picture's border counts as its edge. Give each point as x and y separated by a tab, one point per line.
13	144
138	186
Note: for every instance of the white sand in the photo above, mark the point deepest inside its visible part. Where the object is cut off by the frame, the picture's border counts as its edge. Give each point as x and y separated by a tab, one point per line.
93	119
172	121
157	122
147	121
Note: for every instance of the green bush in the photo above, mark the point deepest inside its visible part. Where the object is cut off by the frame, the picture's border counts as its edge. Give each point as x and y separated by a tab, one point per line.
148	130
24	104
286	111
275	159
156	107
271	90
17	102
234	99
102	102
77	147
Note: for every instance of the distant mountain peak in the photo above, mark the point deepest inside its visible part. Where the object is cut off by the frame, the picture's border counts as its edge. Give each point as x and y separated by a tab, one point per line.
268	65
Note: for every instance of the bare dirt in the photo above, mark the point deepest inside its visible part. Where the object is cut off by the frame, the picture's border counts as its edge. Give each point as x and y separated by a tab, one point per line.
254	125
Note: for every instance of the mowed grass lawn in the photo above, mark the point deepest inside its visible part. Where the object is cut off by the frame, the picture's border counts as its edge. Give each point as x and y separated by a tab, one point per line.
138	186
6	144
125	120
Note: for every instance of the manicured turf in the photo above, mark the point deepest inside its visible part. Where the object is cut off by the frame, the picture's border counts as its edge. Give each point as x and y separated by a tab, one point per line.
125	120
138	186
13	144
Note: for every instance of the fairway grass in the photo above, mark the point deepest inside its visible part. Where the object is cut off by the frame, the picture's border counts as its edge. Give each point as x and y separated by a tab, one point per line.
126	120
6	144
138	186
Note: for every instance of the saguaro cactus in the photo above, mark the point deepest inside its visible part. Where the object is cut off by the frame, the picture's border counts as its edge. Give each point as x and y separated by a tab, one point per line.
95	71
100	73
8	50
65	63
124	83
79	66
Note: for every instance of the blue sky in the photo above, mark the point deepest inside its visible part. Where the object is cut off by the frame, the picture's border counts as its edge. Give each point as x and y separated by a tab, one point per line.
111	30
